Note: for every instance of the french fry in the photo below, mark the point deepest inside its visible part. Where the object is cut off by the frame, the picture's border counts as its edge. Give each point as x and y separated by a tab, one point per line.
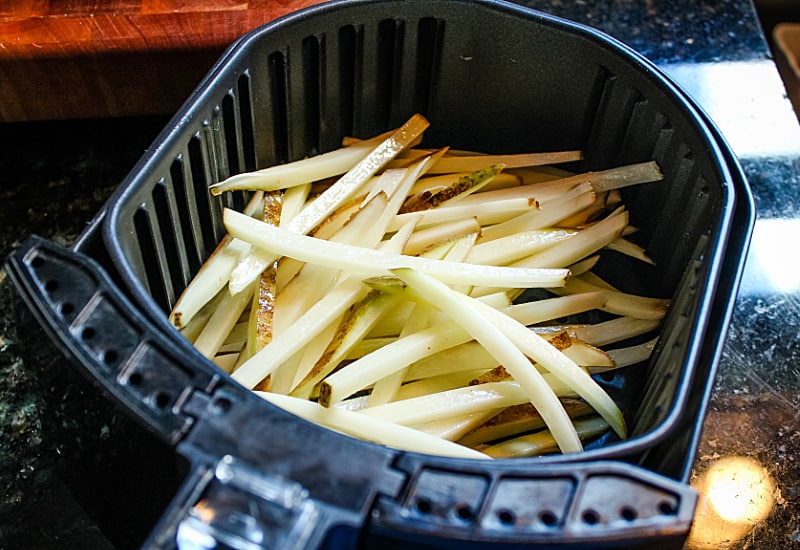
300	172
451	193
214	273
543	441
516	420
375	263
470	314
370	429
472	163
336	195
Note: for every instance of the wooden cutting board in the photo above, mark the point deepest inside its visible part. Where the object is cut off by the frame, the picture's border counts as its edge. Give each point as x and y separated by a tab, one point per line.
77	59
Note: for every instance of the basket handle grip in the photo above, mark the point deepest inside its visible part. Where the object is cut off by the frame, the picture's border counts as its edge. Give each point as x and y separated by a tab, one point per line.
557	505
97	327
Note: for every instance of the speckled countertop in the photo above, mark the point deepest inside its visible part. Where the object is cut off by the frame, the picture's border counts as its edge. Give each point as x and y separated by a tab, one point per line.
54	177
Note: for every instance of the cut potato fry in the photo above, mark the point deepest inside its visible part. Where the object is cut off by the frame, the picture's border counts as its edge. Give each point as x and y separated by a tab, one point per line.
214	273
375	263
487	212
300	172
371	429
456	190
543	441
468	313
517	420
472	163
336	195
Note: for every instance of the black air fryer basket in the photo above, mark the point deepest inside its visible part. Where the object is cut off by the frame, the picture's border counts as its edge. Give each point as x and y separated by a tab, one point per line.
489	76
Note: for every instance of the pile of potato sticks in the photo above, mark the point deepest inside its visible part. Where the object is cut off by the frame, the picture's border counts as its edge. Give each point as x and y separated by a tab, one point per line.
374	289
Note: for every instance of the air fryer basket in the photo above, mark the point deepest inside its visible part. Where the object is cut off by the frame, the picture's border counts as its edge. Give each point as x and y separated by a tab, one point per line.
489	76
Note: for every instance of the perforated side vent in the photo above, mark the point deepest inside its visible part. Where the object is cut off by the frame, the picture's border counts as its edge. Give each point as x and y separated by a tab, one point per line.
672	351
180	223
628	128
359	80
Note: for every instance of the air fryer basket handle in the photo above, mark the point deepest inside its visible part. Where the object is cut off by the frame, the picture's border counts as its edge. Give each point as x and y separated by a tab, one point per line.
95	325
559	505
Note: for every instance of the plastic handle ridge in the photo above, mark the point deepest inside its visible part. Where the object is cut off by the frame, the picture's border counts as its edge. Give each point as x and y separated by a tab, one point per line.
97	327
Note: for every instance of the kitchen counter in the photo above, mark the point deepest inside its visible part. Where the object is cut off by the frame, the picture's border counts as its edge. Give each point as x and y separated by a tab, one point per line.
55	175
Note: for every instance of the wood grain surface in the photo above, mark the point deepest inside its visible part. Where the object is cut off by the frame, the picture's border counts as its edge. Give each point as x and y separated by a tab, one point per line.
78	59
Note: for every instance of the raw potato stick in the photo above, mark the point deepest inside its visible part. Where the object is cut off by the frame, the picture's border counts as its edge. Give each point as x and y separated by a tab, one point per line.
543	441
336	195
559	365
300	172
618	303
457	190
352	423
263	306
467	312
549	214
214	272
313	281
375	263
488	212
355	325
516	420
387	387
472	163
423	239
415	347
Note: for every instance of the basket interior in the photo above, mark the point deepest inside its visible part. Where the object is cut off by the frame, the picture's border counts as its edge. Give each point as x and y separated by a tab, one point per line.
489	78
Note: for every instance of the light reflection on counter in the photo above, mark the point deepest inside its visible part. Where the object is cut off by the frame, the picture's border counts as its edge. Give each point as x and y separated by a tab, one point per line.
736	493
744	101
773	264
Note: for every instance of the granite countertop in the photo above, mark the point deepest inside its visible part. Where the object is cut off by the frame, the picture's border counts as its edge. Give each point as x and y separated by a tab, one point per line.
55	175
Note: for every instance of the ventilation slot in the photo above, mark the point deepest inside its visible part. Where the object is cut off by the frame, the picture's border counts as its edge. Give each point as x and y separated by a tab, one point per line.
312	86
668	247
675	160
200	184
671	351
193	252
150	260
280	121
593	108
246	123
168	239
642	134
231	135
664	143
350	47
390	52
429	51
697	216
604	147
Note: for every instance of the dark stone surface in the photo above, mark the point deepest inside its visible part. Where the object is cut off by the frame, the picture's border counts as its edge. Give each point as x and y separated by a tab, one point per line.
54	429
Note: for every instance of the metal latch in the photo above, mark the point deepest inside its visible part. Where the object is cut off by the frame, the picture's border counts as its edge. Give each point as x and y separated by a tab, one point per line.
242	509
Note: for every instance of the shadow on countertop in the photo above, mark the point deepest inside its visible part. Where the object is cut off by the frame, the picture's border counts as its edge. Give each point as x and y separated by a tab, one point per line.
54	176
